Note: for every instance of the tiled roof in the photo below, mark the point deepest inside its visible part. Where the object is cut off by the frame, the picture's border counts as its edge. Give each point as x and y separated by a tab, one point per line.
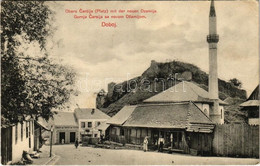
253	99
255	94
171	115
197	116
41	122
183	91
64	119
122	115
103	126
90	113
159	116
250	103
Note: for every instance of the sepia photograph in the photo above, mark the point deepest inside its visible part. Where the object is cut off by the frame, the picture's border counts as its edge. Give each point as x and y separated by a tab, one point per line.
130	82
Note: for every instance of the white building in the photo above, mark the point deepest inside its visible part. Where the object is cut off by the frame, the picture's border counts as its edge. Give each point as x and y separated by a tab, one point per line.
15	139
88	120
65	128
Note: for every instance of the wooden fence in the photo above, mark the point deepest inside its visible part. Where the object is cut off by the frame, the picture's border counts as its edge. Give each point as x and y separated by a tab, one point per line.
239	140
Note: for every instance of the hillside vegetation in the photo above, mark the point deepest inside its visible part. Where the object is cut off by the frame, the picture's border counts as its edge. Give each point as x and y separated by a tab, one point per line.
159	77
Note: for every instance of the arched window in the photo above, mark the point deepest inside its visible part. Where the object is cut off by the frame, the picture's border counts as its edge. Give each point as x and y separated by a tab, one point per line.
205	111
221	113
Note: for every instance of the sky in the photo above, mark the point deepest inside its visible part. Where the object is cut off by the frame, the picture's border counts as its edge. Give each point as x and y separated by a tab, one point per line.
177	31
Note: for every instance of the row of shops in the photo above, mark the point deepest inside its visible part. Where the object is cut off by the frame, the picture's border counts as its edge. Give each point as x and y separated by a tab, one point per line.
172	122
184	119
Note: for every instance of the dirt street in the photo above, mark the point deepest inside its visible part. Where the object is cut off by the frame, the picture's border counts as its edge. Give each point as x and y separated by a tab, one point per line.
69	155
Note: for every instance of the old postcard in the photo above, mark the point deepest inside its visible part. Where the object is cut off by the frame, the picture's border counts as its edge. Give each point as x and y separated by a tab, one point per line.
130	82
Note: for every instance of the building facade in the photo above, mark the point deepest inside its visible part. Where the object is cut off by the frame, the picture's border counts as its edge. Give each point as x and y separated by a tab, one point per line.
65	134
183	126
69	126
65	128
251	106
40	126
15	139
88	120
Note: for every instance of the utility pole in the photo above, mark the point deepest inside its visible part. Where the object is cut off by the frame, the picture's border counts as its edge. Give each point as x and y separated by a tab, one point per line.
51	141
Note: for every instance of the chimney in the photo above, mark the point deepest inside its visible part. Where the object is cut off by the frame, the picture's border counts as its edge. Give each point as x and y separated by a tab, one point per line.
93	111
153	62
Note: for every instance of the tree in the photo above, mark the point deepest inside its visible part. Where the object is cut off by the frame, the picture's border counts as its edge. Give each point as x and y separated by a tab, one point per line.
236	82
32	83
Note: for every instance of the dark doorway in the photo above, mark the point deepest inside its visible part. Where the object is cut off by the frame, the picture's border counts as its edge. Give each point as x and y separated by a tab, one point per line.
6	145
155	136
177	139
62	137
72	137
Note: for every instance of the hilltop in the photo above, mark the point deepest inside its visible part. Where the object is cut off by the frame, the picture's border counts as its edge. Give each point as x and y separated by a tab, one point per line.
159	77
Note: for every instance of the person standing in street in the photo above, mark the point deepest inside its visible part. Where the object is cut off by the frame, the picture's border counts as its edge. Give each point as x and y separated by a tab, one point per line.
76	143
101	138
160	143
145	144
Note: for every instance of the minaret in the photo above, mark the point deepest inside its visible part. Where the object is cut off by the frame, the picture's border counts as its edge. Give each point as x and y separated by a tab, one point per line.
213	39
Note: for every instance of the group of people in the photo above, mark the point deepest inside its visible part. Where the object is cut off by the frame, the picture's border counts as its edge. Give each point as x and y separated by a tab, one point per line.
160	144
102	139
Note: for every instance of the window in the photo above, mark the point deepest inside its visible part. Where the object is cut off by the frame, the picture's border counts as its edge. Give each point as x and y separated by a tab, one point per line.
29	129
16	133
98	123
205	111
95	135
27	134
122	132
89	124
114	131
32	127
221	113
30	142
82	124
21	131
